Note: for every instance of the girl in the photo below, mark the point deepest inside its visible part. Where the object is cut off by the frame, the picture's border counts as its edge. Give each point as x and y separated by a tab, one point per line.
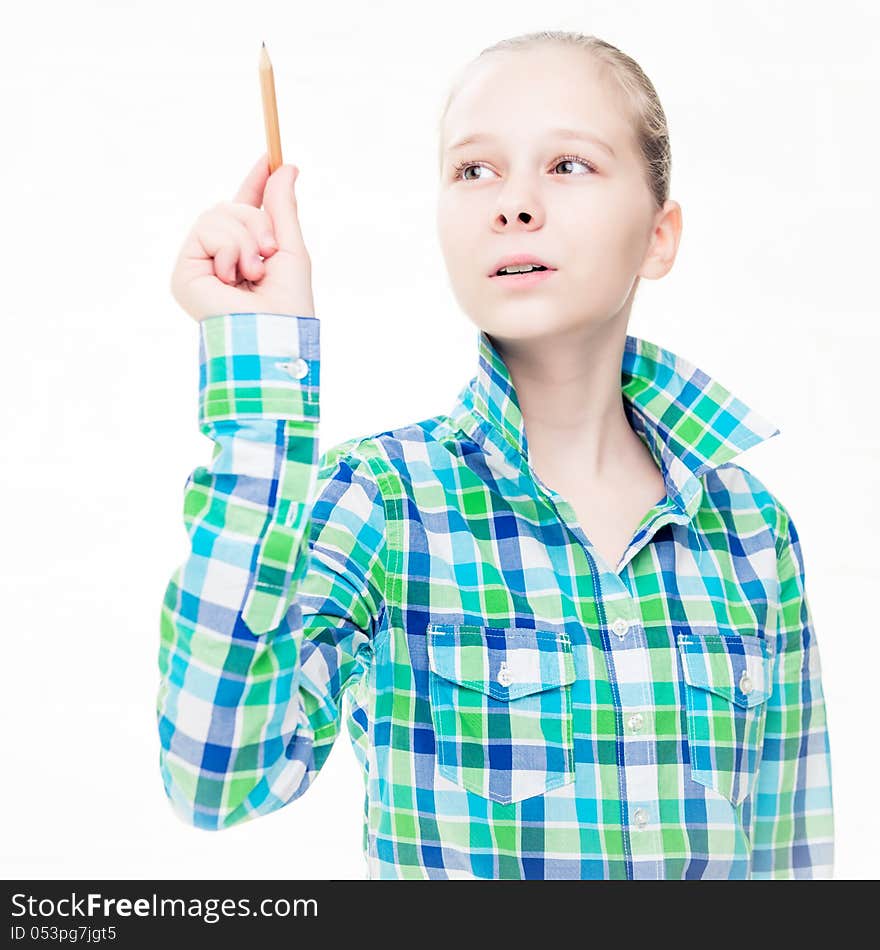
572	632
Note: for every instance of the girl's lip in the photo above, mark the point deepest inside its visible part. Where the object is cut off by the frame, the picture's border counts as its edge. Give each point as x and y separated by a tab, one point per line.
523	280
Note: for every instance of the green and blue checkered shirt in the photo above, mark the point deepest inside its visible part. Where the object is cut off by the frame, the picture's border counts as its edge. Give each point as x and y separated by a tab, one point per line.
519	707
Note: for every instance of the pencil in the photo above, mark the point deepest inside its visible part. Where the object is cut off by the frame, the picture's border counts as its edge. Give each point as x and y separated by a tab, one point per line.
270	110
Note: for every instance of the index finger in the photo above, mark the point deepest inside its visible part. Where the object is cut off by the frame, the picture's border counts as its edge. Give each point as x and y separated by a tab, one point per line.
253	187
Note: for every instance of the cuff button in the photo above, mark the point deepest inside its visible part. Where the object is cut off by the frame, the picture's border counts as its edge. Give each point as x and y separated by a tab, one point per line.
297	369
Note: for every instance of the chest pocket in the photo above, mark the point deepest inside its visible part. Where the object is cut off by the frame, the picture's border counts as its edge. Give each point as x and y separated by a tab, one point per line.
501	708
728	680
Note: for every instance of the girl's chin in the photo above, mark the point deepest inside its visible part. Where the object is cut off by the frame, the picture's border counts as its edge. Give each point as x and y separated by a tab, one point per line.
518	324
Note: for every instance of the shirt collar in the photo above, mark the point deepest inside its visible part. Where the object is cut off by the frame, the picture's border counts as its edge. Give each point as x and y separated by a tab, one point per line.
689	421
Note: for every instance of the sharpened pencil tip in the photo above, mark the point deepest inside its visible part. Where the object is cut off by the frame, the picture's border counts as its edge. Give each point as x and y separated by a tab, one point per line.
264	44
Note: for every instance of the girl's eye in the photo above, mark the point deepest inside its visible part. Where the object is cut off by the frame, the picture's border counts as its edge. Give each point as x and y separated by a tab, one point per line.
568	159
462	167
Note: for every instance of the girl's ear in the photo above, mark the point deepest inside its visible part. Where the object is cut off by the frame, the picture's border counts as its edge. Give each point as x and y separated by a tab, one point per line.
665	239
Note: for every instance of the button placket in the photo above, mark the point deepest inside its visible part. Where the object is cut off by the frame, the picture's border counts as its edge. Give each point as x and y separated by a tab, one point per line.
629	662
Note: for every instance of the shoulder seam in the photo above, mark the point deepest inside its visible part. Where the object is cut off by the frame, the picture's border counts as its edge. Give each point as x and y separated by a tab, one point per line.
780	528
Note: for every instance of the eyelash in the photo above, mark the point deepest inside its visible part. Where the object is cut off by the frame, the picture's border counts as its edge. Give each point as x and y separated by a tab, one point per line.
459	169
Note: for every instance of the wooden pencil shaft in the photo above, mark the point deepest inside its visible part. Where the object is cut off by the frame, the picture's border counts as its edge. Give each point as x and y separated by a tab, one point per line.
270	111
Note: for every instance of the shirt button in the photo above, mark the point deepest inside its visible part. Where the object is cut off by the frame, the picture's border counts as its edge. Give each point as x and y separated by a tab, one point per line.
504	677
297	369
620	627
641	817
636	721
745	683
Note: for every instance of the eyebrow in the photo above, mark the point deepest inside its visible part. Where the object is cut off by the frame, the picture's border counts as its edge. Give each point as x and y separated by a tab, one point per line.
561	133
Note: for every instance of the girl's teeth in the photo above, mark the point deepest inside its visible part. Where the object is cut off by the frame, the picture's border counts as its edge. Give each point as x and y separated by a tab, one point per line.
520	270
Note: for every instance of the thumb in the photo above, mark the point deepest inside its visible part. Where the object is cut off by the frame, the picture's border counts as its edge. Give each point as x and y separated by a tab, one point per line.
279	202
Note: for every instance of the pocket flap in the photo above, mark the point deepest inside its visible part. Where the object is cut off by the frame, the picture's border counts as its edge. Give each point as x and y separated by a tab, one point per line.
739	668
503	662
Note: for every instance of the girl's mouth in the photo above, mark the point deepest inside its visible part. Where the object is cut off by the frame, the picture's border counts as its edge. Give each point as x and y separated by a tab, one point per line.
523	280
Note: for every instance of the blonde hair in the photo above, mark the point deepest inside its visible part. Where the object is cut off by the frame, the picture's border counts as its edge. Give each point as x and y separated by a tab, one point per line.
638	98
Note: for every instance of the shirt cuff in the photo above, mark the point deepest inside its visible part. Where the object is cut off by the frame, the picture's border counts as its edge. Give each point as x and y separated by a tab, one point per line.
259	365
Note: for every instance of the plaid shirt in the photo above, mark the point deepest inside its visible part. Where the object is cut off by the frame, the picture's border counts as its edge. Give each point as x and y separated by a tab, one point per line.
520	708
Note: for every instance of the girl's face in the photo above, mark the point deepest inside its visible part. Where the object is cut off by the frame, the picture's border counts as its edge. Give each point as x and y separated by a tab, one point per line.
578	206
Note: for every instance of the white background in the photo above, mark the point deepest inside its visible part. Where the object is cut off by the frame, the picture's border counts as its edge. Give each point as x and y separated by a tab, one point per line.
122	121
